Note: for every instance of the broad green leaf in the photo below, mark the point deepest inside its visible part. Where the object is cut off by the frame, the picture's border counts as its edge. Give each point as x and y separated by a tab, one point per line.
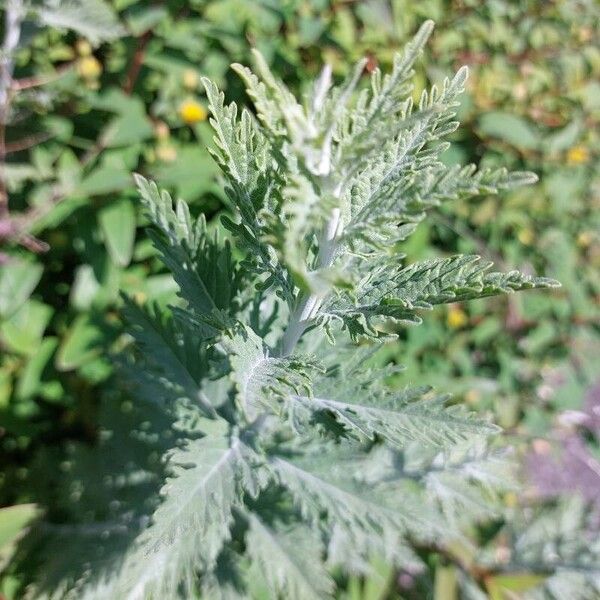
130	126
501	587
58	213
564	138
117	221
13	519
5	388
93	19
60	127
15	174
445	584
31	377
22	331
514	130
81	344
142	19
182	175
85	288
18	279
104	180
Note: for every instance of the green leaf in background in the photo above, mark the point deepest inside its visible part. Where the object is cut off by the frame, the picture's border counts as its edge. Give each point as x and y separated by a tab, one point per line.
58	213
31	377
374	587
160	288
85	288
80	344
104	180
380	580
13	519
13	522
16	173
142	19
565	187
183	174
131	125
93	19
514	130
59	127
562	258
505	587
445	583
117	222
68	172
564	138
22	332
18	279
5	387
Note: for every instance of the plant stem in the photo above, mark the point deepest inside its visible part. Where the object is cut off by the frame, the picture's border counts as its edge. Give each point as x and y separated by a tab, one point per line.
307	305
305	310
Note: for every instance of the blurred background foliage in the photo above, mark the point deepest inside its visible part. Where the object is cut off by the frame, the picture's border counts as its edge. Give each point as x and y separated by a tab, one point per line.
117	90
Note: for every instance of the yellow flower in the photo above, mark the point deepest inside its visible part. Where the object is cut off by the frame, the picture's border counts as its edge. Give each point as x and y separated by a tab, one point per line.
89	67
578	155
190	79
192	112
526	236
456	317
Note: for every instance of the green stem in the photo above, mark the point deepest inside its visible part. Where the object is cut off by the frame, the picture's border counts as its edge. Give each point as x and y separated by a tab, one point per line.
308	305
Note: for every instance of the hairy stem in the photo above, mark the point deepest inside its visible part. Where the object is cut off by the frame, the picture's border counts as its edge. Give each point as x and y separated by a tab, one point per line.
307	305
306	308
